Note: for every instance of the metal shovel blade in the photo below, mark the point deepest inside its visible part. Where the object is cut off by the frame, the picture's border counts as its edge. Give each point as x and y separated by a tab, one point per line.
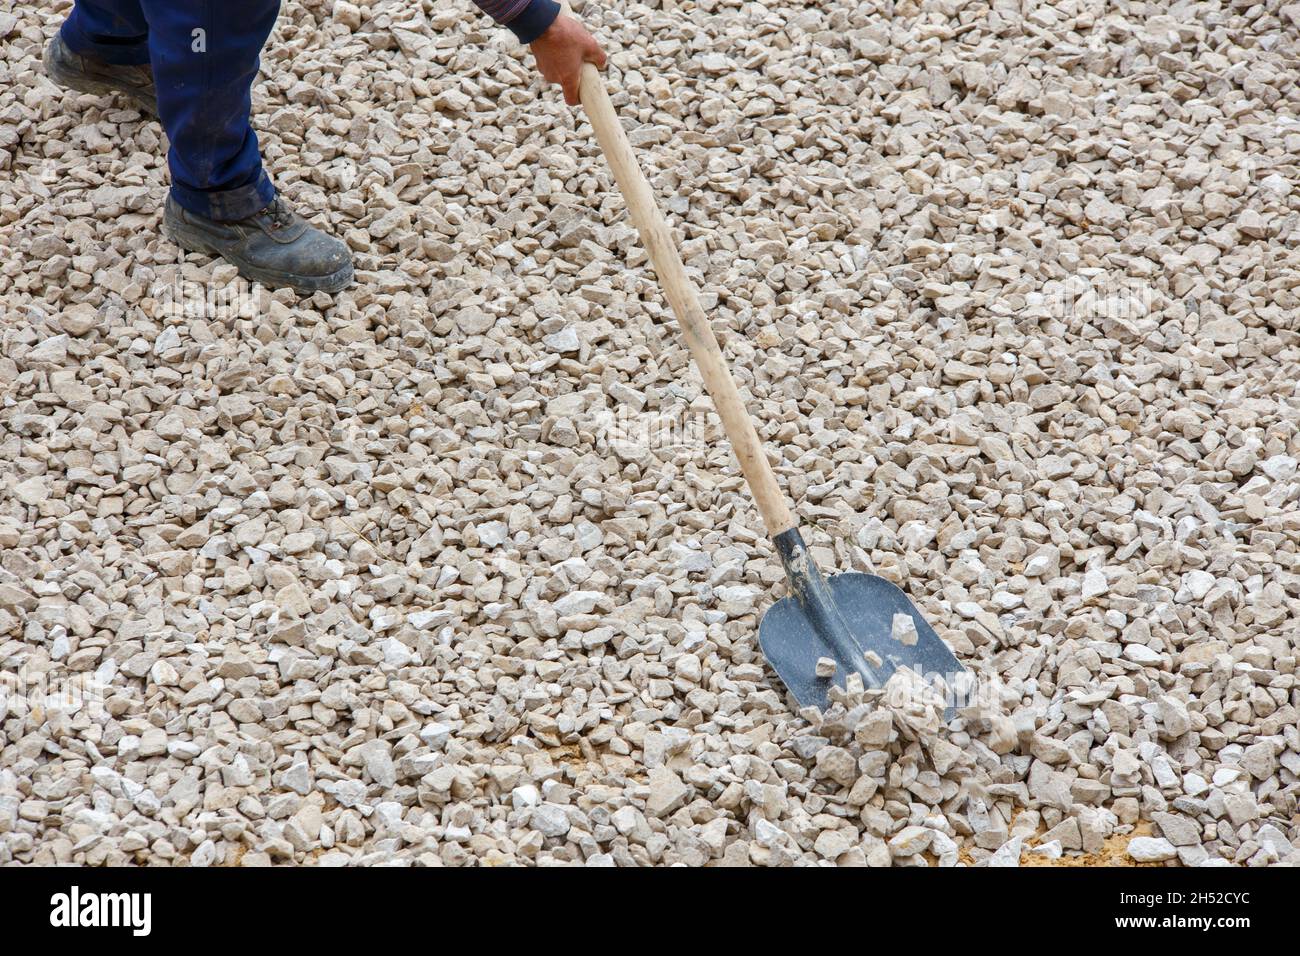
848	618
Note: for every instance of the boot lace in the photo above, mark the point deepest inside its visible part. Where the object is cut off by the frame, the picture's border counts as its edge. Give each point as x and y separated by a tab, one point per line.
279	213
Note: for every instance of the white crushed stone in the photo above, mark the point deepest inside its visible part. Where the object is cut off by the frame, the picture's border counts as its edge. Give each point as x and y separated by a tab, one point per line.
396	577
903	629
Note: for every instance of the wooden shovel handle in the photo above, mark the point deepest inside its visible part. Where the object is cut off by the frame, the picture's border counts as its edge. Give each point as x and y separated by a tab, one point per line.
680	294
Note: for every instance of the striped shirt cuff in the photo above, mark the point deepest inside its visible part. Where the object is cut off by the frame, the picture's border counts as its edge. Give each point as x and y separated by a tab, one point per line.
527	19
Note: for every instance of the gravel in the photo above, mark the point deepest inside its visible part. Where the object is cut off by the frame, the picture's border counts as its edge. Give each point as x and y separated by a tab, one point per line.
454	568
1150	850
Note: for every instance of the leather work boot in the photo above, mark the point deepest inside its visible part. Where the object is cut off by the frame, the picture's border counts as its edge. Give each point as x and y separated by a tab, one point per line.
275	247
89	74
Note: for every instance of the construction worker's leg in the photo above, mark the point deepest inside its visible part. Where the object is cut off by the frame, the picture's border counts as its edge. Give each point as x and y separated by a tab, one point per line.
205	55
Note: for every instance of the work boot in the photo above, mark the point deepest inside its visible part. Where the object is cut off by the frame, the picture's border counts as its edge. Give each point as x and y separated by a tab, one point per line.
275	247
89	74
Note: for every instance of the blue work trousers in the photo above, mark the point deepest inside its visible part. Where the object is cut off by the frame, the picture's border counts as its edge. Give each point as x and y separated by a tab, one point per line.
204	55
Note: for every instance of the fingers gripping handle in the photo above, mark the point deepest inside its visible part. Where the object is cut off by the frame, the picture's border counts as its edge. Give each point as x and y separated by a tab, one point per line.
681	296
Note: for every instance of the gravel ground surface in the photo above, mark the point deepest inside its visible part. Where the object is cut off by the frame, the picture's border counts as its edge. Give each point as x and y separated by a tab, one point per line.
456	568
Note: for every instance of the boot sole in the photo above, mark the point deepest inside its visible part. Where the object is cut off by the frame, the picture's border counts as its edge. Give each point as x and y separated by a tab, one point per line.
81	83
305	285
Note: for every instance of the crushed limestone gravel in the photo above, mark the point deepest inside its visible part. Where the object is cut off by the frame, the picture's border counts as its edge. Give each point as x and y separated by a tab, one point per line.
454	567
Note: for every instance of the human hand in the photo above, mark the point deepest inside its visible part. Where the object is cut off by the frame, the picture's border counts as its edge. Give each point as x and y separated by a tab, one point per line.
562	50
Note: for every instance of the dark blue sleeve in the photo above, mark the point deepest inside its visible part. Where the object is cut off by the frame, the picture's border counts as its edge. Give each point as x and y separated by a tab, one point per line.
528	19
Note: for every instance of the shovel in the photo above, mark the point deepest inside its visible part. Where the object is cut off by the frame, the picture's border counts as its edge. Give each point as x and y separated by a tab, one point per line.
828	628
